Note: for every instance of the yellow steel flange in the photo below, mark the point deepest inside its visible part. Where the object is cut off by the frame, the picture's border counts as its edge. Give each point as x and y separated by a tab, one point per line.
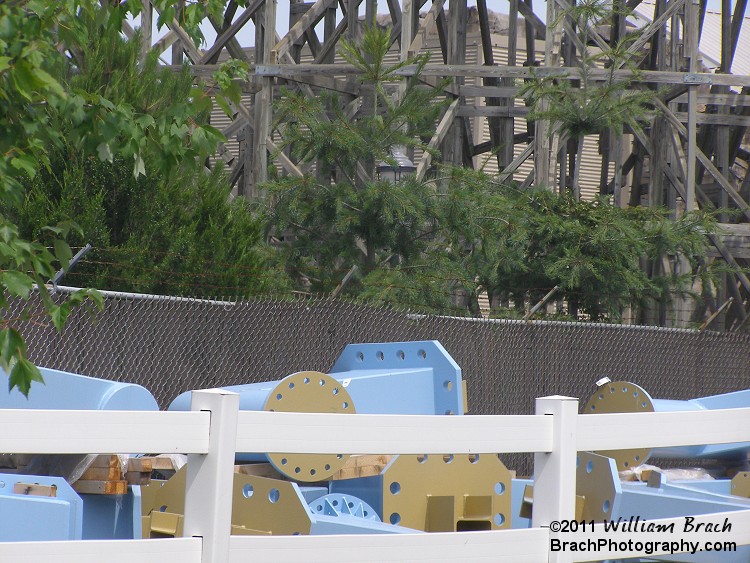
309	391
621	396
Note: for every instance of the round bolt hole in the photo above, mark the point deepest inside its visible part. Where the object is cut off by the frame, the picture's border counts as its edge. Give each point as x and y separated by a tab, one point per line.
339	456
247	490
306	380
345	405
322	382
273	495
473	458
335	503
499	519
421	458
593	407
624	389
589	467
422	354
400	355
395	518
350	505
448	458
606	506
312	472
449	412
278	396
320	507
360	356
163	508
335	390
379	355
283	461
611	389
395	488
297	469
448	385
499	488
291	385
328	467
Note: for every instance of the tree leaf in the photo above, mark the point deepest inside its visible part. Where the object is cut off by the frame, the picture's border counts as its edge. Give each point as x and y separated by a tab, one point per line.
63	252
17	283
22	374
139	167
105	152
11	347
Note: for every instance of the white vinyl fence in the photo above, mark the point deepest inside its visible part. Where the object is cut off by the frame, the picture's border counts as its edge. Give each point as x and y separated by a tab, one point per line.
215	429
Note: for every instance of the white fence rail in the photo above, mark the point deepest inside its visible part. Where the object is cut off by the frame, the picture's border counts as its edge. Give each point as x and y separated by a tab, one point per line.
215	429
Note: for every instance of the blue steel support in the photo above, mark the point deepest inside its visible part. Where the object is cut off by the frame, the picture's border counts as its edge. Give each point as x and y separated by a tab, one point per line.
70	391
25	517
392	378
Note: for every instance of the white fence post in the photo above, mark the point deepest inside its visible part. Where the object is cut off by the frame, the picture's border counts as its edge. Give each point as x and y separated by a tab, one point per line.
208	493
555	472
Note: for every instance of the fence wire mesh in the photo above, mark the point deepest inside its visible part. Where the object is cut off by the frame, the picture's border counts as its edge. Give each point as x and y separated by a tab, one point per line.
170	345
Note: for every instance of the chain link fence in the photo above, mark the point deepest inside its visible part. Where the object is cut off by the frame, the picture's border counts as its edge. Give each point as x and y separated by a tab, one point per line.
170	345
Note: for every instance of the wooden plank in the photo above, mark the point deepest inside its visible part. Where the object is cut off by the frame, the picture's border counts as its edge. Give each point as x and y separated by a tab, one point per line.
101	487
111	461
101	474
362	466
259	470
34	489
716	119
492	111
472	70
138	478
471	91
140	464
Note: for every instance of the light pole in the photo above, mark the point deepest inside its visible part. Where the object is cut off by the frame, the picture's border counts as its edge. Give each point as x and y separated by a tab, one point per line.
389	172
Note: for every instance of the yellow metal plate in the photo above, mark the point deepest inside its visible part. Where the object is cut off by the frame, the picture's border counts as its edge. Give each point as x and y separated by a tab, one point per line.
595	483
309	391
621	396
444	493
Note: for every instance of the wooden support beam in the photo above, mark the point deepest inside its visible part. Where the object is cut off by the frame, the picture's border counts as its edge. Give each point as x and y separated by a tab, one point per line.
186	42
285	161
651	29
311	17
480	71
164	43
706	162
427	26
212	55
442	129
715	240
146	27
532	20
545	138
519	160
